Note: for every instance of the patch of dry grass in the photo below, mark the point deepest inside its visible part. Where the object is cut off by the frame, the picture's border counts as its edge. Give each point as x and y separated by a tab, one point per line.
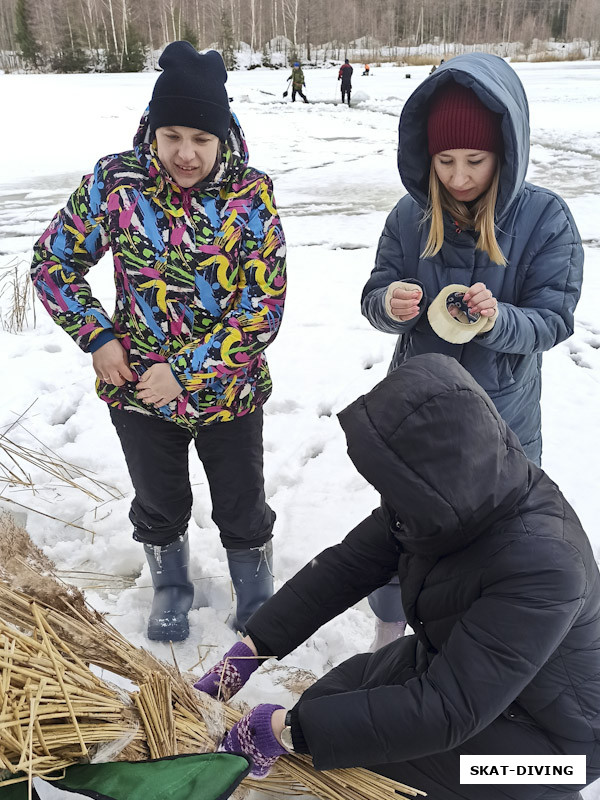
571	55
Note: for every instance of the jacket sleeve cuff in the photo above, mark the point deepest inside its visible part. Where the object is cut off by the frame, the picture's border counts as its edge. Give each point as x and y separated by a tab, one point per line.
180	373
262	649
298	740
100	340
183	389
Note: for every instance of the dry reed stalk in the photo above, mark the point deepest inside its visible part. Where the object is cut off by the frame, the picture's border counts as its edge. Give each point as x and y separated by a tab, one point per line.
98	580
48	516
59	674
50	462
62	707
222	692
20	291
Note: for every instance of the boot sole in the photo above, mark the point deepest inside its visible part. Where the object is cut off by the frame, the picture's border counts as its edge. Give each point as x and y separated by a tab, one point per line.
168	632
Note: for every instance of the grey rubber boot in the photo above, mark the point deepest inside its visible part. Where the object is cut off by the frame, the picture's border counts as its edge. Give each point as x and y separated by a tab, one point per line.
173	591
252	576
386	603
386	632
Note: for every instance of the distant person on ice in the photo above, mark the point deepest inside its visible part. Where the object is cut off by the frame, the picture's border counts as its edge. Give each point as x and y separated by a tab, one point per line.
501	588
471	219
366	69
297	79
345	76
199	267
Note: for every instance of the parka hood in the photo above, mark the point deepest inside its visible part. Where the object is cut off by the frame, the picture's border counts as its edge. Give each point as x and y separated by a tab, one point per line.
498	87
431	442
234	152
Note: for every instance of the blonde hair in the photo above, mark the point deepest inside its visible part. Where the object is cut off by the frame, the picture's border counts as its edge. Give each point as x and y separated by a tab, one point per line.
480	217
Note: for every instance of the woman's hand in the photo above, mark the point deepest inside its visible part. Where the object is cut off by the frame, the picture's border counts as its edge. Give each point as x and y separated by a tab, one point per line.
158	386
228	676
402	300
111	363
254	735
480	300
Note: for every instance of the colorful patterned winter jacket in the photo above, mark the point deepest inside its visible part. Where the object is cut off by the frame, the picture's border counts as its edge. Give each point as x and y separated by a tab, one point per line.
199	274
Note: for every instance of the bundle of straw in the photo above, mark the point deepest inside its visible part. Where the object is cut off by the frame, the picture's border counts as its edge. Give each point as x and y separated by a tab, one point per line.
53	707
55	712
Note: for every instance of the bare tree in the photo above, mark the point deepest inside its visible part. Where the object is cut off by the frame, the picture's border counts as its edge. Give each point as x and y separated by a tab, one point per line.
584	23
105	27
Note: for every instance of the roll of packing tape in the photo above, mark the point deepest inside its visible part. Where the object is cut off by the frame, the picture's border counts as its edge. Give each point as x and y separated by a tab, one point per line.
450	318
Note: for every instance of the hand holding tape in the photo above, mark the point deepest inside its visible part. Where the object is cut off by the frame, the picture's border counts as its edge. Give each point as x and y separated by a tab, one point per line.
451	319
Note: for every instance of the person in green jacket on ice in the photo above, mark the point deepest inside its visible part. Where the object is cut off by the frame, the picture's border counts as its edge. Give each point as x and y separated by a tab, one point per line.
297	79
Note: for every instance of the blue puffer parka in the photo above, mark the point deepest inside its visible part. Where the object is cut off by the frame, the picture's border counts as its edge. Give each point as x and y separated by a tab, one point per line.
538	289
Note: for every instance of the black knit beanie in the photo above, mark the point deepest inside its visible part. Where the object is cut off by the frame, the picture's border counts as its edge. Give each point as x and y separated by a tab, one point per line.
191	91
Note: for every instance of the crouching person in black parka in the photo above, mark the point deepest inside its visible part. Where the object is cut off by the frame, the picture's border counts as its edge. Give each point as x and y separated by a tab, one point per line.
499	583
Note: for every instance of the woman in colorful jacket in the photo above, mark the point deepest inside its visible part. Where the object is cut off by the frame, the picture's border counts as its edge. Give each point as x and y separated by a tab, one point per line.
471	219
199	260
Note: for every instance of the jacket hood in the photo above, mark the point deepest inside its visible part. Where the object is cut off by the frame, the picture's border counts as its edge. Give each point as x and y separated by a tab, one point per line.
430	441
498	87
234	153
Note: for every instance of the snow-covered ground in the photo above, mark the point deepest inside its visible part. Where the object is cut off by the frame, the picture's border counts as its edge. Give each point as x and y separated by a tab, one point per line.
335	177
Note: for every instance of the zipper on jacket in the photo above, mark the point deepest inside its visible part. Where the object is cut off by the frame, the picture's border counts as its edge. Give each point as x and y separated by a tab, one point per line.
186	204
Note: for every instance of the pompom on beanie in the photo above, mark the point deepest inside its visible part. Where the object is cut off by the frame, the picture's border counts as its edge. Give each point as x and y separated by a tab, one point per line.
191	91
458	120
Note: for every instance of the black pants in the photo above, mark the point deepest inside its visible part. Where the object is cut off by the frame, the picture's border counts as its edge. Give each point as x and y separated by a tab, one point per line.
298	91
156	452
346	91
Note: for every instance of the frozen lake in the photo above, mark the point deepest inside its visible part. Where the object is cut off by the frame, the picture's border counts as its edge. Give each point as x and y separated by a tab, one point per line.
335	177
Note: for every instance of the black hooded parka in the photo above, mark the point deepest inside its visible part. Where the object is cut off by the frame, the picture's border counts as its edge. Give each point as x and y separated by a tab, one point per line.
499	583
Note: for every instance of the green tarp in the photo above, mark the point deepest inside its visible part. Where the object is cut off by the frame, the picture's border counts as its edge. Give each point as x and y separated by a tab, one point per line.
204	776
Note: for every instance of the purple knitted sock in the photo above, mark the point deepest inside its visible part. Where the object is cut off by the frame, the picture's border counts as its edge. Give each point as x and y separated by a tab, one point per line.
253	736
231	672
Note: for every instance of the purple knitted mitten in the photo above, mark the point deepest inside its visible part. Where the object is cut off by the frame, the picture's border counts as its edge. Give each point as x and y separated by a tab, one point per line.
230	674
254	737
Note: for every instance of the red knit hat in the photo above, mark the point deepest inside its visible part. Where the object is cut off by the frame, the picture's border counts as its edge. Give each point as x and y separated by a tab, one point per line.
458	120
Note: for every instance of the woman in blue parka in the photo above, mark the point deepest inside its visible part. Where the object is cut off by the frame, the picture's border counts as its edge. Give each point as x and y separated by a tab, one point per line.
470	218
